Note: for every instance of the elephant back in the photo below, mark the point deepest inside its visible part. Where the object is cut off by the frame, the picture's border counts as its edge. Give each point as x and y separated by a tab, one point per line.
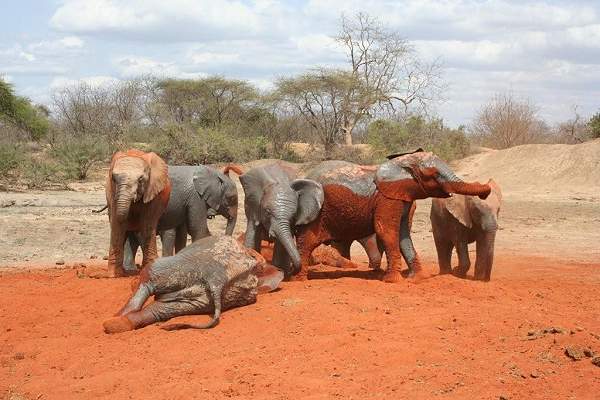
358	178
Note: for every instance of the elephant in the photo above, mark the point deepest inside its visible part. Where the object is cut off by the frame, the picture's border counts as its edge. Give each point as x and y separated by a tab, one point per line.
212	274
197	193
137	192
275	204
460	220
374	248
358	204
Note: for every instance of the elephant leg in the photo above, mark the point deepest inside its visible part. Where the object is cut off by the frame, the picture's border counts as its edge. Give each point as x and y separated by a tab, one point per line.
343	247
464	263
115	253
155	312
374	251
149	247
197	216
253	237
281	259
181	236
137	300
309	237
167	238
444	253
484	256
129	251
387	227
406	244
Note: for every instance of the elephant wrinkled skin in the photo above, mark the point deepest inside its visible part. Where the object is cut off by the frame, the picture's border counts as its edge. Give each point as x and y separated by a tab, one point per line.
357	205
460	220
211	275
137	193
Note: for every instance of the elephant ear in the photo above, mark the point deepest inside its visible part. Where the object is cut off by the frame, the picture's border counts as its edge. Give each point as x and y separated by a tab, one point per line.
458	207
310	200
390	176
210	186
159	176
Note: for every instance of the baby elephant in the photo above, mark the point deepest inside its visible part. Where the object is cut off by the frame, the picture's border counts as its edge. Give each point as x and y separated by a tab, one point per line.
212	274
460	220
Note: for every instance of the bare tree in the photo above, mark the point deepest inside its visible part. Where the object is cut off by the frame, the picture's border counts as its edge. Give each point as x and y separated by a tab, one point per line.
506	122
320	97
573	130
388	68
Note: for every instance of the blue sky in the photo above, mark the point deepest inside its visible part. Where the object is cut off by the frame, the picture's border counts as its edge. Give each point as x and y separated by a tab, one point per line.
545	51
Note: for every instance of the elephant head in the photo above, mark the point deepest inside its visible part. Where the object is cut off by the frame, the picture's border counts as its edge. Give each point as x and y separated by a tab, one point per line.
134	177
219	192
279	206
419	175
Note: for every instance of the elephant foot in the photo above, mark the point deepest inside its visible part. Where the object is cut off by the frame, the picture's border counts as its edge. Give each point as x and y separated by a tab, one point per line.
392	276
117	325
445	271
460	272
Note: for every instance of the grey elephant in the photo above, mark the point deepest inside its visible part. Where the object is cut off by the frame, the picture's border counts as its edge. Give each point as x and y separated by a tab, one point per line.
197	193
460	220
211	275
275	204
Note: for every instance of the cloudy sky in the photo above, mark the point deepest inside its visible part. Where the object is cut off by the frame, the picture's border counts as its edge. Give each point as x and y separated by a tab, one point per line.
545	51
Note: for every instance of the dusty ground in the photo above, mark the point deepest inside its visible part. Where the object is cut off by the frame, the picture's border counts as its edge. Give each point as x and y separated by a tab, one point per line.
339	335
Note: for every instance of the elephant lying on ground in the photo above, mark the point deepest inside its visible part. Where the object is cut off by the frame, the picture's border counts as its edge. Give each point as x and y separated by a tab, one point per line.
137	193
197	194
211	275
356	206
460	220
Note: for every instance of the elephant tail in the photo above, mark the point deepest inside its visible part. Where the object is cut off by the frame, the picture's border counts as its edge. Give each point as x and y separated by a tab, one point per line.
100	210
233	167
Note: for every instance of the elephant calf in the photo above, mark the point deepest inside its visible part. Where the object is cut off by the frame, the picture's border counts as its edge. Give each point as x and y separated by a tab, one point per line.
460	220
210	275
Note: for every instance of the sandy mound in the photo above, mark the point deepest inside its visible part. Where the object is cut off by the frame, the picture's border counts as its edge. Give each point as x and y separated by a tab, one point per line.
564	170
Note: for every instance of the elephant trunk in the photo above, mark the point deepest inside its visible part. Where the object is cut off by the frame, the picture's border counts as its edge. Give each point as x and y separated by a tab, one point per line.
283	233
485	256
467	189
123	202
231	220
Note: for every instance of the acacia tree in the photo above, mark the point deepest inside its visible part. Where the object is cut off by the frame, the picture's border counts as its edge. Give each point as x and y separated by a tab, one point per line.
18	112
388	69
320	97
506	121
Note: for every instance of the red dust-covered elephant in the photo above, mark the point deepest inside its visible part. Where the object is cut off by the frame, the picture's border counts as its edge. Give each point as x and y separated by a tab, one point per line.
137	193
358	204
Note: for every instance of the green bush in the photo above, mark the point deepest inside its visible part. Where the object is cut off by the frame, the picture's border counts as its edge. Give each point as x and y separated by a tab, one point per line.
11	155
40	173
183	145
77	156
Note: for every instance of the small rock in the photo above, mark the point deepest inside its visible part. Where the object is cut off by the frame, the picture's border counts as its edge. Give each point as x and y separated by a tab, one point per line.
502	397
588	352
60	261
19	356
554	329
105	258
93	257
531	333
574	352
535	374
596	361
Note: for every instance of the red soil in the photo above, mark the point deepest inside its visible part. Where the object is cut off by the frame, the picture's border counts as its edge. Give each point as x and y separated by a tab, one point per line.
349	338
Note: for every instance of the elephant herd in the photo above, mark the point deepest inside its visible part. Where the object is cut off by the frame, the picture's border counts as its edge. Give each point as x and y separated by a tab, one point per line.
333	202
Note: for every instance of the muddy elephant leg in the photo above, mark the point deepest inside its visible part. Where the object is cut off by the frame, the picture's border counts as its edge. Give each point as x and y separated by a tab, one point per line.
155	312
406	244
444	253
464	263
129	251
149	249
374	251
484	256
118	236
137	299
167	239
281	259
387	227
343	247
309	237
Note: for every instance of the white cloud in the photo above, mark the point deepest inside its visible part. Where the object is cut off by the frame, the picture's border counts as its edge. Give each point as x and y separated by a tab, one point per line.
133	66
60	82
